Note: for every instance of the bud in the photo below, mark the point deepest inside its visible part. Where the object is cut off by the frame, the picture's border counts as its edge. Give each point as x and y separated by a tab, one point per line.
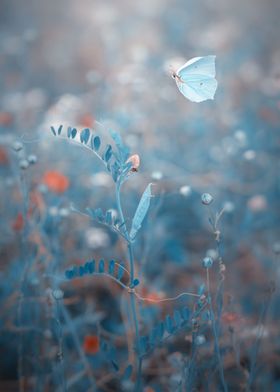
17	146
23	164
206	199
32	159
207	262
135	162
58	294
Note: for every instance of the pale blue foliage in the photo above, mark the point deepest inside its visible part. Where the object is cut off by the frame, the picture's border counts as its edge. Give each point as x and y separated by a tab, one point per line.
141	211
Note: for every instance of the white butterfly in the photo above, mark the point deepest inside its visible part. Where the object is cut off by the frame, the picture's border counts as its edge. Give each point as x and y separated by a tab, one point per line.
196	79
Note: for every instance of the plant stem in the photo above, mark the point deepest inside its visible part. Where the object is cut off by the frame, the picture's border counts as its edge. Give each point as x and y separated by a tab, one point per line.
132	297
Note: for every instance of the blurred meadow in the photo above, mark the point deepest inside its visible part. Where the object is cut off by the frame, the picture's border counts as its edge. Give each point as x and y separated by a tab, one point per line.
105	66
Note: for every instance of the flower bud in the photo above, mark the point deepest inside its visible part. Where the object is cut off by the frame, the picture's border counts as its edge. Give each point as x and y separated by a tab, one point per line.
207	262
206	199
23	164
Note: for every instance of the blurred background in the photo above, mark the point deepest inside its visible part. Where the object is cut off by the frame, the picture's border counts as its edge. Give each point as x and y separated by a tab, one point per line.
82	63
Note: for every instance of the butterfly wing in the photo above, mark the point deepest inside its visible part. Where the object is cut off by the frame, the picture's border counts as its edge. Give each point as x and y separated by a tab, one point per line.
198	90
197	79
199	66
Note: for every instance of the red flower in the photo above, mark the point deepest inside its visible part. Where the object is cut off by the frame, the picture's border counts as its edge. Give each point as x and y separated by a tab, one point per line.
91	344
55	181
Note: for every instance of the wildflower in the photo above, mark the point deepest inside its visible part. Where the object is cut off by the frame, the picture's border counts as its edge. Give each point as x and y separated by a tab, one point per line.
207	262
206	199
91	344
135	162
55	181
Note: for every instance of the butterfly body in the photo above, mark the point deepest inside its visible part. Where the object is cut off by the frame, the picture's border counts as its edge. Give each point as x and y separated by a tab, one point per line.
196	79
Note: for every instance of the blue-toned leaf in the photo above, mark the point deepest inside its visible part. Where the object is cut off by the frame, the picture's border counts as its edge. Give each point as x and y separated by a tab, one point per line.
143	345
91	267
96	143
153	337
59	130
127	373
161	329
81	271
136	282
120	272
104	346
73	133
115	171
69	274
111	267
168	324
87	267
141	211
123	150
115	366
101	266
107	153
69	132
177	318
186	314
99	214
92	142
84	135
53	130
108	217
76	271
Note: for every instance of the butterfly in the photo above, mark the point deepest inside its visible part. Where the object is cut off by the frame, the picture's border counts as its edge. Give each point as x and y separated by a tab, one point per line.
196	79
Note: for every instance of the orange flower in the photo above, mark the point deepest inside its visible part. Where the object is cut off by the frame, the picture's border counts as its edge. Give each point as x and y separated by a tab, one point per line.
55	181
18	223
91	344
